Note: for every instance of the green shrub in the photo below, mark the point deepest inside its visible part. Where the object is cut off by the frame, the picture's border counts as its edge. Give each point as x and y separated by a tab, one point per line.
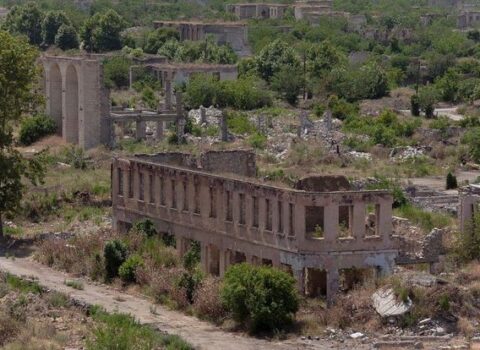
117	71
451	182
192	257
383	183
75	156
243	94
115	254
34	128
239	123
263	297
415	106
145	226
22	285
190	281
127	271
258	140
424	219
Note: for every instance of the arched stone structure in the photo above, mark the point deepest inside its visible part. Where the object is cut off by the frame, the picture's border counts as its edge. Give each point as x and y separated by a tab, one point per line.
77	99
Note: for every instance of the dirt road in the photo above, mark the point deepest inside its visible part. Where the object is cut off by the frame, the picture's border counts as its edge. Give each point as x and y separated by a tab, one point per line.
200	334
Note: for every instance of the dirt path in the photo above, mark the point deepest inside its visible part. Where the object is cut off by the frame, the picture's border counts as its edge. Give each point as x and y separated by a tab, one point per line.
199	333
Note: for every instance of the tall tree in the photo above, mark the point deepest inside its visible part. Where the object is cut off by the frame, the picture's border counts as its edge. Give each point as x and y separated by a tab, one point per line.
51	24
18	85
26	20
102	32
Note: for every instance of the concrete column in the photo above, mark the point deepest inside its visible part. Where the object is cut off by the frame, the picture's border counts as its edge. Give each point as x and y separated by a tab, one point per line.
181	246
141	130
168	92
203	115
126	183
156	188
136	184
384	219
147	191
159	131
299	275
130	77
332	285
204	259
359	212
331	222
224	261
223	128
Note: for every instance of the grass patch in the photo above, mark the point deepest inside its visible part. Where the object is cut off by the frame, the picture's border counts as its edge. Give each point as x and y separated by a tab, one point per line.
74	284
424	219
23	286
121	331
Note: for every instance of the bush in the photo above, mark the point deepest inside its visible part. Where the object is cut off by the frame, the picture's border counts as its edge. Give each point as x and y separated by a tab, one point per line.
145	226
67	38
258	141
116	71
451	182
263	297
415	106
34	128
244	94
115	254
127	271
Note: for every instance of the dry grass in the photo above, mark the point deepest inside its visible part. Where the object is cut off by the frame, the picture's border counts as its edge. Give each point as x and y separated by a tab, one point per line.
207	303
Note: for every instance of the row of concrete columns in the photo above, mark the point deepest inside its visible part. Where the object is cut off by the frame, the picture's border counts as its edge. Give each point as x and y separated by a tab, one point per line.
216	261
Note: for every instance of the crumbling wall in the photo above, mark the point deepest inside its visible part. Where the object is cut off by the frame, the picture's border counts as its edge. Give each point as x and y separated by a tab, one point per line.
323	183
237	162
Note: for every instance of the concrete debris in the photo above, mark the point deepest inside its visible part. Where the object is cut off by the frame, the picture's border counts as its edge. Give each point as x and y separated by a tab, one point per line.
212	116
357	335
400	154
386	304
360	155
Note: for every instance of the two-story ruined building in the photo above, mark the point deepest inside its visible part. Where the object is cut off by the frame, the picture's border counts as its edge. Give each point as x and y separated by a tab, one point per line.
319	231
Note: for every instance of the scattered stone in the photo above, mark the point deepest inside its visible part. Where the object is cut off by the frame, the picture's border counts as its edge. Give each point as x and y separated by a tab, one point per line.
424	321
440	331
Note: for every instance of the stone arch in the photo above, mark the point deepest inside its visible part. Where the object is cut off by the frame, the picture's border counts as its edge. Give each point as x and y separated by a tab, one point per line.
71	121
55	96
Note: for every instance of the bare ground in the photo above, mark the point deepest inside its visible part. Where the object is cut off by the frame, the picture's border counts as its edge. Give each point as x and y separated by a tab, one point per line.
200	334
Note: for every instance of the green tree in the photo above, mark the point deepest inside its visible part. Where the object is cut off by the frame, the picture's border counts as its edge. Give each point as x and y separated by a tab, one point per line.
51	24
472	140
263	297
288	82
323	58
102	32
448	85
158	37
273	57
427	97
18	79
26	20
66	38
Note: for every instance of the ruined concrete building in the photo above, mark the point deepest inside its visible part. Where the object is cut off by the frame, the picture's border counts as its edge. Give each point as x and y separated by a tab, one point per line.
181	72
321	231
231	33
468	19
257	10
312	11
